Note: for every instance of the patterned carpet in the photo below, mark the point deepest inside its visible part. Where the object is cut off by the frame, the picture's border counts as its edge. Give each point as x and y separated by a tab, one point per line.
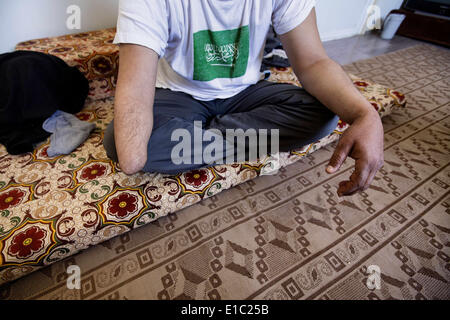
289	236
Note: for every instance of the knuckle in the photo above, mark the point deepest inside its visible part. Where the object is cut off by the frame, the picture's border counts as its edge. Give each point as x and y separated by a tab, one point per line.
359	183
367	161
338	152
337	157
342	145
340	157
374	162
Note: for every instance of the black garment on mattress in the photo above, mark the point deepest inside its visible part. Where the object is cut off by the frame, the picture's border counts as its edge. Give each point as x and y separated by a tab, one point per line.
273	42
33	86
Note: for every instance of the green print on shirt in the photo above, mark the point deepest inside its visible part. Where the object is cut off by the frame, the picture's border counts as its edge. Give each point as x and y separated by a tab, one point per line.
221	54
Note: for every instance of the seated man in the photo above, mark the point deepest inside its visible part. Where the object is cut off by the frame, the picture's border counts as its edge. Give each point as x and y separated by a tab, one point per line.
190	62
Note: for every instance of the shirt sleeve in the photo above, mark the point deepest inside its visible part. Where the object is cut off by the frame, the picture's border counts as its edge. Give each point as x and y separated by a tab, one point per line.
288	14
143	22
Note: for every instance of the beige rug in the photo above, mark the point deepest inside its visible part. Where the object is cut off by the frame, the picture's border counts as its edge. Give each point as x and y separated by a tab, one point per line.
289	236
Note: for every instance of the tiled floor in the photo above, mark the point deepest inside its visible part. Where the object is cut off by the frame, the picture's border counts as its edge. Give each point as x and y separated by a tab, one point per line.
348	50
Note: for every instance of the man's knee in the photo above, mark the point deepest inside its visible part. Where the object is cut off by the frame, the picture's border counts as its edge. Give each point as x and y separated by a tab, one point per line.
109	142
325	123
309	112
317	123
329	124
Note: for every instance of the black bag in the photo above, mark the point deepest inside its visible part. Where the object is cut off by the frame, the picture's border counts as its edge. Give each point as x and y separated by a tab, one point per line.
33	86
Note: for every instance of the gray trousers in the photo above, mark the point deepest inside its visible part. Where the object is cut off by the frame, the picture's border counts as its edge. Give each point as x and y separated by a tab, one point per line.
300	118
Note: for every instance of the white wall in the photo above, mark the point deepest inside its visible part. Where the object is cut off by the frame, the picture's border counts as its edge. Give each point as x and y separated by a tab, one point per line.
22	20
387	5
338	19
341	18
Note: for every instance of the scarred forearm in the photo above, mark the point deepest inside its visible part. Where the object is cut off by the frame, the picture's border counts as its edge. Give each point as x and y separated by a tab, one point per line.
133	110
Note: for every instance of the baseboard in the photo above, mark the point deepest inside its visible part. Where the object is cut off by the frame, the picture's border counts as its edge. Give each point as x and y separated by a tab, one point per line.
339	34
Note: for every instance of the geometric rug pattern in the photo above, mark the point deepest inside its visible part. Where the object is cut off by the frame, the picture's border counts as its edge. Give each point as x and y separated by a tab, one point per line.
289	236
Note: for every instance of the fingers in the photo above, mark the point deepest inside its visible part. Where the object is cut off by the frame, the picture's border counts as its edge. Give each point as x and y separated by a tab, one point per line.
339	156
361	178
366	167
369	180
357	179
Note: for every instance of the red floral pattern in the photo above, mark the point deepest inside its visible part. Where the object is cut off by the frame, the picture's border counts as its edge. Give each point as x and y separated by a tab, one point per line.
101	65
342	124
44	152
400	96
26	243
196	178
361	84
123	205
60	50
93	172
11	199
83	116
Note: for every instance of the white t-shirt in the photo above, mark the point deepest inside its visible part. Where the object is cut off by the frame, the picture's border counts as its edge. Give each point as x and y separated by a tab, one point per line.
210	49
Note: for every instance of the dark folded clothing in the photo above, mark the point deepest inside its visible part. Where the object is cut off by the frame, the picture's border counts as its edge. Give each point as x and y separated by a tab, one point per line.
33	86
275	61
272	56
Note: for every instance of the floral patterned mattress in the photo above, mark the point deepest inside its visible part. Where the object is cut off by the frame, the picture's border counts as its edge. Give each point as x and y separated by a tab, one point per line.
51	208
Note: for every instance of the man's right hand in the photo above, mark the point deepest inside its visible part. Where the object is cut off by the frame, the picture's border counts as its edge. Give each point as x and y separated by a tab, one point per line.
133	110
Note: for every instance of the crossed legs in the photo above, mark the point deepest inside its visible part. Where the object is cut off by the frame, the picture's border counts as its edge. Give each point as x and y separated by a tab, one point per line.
298	116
